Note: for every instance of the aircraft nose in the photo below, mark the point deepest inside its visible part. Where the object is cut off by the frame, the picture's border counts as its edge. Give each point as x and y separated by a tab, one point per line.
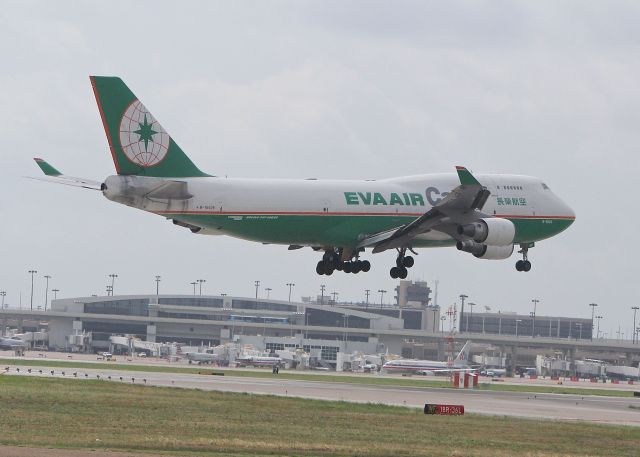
568	212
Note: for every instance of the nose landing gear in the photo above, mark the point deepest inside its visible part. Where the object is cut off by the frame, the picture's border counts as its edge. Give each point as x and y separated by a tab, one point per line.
403	262
524	264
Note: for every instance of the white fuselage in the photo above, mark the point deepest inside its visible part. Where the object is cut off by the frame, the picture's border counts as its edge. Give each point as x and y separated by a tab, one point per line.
412	366
338	212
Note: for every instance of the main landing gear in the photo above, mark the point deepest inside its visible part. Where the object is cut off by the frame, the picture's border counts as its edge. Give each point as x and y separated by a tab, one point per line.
403	262
331	261
524	264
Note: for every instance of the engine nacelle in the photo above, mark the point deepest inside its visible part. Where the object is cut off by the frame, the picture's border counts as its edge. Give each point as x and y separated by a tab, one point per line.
492	231
497	252
482	251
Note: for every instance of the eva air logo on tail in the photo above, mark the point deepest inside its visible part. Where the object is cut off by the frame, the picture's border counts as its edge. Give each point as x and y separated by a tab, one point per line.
143	140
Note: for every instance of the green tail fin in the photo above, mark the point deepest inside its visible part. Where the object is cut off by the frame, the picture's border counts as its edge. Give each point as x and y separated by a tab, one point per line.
139	145
46	168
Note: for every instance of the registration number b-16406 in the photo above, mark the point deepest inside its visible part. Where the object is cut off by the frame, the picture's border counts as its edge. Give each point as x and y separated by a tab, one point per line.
447	410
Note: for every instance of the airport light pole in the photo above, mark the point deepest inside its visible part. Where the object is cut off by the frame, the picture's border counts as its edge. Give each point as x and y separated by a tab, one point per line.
257	284
593	310
634	338
335	297
382	292
113	277
109	289
535	302
157	284
366	293
290	285
345	319
517	320
598	332
442	319
579	324
3	293
46	291
32	272
463	297
471	304
268	289
194	286
322	288
55	293
201	281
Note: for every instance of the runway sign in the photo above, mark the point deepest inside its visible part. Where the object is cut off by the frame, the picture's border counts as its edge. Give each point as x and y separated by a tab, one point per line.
444	410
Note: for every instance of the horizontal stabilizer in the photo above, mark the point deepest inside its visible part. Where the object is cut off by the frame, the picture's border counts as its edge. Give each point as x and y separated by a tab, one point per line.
53	175
46	168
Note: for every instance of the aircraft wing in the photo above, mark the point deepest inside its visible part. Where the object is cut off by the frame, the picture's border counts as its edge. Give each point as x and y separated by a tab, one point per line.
53	175
461	205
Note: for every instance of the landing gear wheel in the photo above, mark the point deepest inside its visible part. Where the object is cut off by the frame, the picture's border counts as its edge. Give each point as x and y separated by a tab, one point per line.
357	266
402	273
320	268
339	266
328	271
347	267
407	262
366	265
524	264
394	272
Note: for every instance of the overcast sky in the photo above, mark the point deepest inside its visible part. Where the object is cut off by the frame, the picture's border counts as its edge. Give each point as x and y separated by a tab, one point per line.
328	90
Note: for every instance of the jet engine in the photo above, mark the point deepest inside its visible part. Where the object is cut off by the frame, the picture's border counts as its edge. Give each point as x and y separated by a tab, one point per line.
482	251
493	231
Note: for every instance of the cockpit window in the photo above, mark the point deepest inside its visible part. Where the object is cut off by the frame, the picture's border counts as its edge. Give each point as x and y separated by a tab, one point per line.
545	187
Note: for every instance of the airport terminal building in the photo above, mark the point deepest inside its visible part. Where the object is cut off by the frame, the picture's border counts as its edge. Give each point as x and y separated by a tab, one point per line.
411	328
527	325
211	320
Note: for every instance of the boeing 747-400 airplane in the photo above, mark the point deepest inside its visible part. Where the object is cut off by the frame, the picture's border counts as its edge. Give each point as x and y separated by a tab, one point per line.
483	215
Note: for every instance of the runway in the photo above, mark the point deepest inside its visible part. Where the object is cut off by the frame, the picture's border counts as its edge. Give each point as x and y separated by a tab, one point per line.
611	410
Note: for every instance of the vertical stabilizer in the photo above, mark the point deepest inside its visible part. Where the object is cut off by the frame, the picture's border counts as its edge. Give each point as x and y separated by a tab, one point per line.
463	355
139	145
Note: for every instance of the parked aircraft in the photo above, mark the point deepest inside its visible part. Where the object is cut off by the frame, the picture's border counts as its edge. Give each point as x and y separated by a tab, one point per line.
494	372
202	357
12	344
484	215
258	361
431	367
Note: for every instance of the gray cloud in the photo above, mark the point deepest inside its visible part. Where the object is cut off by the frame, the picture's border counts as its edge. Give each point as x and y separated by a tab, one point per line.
345	90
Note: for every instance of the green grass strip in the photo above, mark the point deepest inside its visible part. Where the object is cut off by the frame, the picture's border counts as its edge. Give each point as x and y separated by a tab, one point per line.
64	413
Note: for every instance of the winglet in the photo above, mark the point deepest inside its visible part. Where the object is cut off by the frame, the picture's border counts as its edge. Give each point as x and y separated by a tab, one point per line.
466	178
46	168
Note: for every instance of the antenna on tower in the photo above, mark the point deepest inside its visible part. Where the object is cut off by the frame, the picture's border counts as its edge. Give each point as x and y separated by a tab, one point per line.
435	296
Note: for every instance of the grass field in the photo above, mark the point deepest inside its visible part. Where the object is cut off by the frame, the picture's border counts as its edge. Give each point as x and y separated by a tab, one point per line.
372	380
41	412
